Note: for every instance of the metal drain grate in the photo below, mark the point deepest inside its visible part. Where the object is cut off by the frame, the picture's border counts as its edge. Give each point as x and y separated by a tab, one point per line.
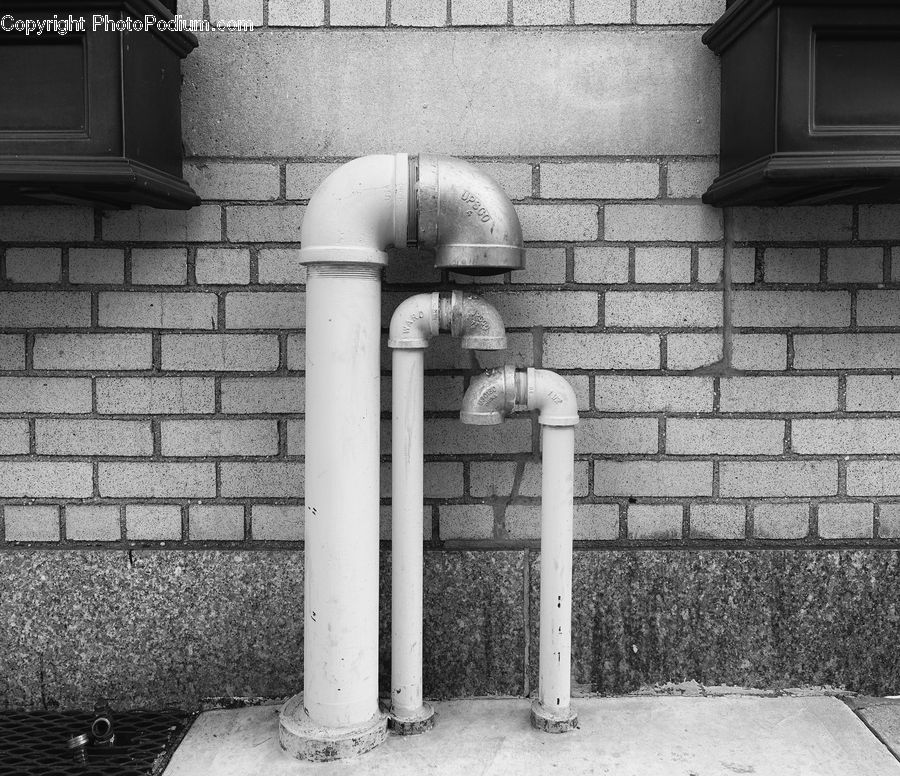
35	743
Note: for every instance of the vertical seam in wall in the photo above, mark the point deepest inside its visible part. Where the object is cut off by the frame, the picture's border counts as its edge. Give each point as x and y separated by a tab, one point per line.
435	525
156	352
29	351
64	266
126	269
509	12
727	296
282	354
448	15
192	266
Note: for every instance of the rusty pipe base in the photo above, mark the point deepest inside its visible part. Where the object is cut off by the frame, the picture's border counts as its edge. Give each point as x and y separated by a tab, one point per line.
552	722
420	721
304	739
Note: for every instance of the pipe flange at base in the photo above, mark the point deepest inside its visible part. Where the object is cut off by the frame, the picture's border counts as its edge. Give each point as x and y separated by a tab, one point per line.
304	739
542	719
419	721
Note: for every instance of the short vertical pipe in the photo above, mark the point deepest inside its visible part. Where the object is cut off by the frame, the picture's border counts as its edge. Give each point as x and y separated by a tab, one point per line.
340	644
554	684
407	556
489	398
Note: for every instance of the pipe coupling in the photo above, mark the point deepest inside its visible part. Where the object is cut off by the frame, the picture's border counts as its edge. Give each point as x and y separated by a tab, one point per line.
476	322
421	317
490	397
494	394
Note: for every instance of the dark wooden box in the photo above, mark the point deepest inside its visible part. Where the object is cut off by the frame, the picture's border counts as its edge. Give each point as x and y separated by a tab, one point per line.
810	102
92	116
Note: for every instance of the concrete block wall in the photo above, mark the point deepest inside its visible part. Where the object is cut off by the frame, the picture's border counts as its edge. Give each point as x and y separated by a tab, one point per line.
735	371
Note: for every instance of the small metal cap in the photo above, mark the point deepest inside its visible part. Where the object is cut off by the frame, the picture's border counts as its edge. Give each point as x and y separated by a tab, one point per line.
78	741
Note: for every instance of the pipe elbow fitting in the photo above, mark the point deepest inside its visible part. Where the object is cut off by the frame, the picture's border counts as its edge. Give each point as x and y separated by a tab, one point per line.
552	396
415	321
490	397
467	218
476	322
357	212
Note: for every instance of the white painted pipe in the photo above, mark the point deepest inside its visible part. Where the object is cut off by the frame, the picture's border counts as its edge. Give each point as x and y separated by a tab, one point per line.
489	399
357	212
340	677
407	555
557	460
415	322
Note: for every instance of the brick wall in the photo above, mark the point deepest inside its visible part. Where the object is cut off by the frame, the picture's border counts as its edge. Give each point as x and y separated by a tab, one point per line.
734	392
152	360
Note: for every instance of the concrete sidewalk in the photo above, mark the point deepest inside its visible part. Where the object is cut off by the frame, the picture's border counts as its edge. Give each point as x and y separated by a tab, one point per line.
631	736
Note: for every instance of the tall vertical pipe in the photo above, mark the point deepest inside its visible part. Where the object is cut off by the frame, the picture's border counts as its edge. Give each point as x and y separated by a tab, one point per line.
340	676
357	212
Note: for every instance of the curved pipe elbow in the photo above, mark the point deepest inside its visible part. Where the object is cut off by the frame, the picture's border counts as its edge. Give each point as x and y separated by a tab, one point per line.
357	212
476	322
493	395
489	398
415	321
467	218
552	396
